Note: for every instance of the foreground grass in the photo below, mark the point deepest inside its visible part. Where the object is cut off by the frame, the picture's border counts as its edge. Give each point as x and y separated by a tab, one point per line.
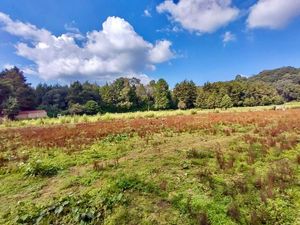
229	173
132	115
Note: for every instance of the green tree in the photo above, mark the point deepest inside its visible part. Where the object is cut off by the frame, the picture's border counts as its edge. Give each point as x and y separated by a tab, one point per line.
74	93
120	95
52	110
226	102
76	109
109	97
5	92
90	92
144	97
11	107
91	107
201	100
20	89
126	93
250	101
162	95
40	92
56	96
186	94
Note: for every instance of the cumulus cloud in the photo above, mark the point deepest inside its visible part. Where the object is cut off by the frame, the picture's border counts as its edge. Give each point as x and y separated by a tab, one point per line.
201	16
228	37
273	14
113	51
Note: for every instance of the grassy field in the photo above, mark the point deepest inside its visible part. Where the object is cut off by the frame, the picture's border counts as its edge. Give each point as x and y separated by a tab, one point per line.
240	166
132	115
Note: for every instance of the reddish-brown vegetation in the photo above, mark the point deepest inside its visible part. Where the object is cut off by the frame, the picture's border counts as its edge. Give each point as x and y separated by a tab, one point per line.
268	128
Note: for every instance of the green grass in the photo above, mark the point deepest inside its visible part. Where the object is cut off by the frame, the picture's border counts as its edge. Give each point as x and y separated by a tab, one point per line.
130	115
173	178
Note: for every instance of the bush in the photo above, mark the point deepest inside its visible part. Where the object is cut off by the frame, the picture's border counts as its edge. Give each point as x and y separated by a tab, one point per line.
198	154
193	112
91	107
124	183
39	168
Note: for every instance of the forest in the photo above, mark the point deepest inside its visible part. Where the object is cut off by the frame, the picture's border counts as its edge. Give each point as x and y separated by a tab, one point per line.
129	94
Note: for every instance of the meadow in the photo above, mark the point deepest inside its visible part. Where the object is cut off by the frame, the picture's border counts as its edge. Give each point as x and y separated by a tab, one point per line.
236	166
74	119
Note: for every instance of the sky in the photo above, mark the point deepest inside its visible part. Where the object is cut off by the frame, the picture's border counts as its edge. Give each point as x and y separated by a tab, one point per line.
58	41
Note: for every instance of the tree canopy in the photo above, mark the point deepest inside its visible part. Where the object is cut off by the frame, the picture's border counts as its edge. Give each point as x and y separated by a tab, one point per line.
129	94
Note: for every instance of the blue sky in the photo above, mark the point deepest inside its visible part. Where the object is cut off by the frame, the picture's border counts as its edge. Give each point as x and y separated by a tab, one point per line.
199	40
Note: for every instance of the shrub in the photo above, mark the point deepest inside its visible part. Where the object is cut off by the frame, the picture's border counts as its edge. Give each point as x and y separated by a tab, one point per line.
124	183
193	112
91	107
221	159
38	168
198	154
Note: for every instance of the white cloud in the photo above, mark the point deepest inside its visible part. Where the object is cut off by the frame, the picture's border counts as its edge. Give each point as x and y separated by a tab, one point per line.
170	29
273	14
228	37
145	79
147	13
73	31
113	51
24	30
161	52
201	16
7	66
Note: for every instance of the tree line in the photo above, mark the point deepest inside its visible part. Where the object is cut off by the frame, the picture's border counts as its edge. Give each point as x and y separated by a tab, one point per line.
129	94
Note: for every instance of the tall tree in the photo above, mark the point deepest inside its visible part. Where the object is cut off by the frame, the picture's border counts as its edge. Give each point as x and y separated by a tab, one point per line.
186	94
120	95
226	102
91	107
40	92
21	90
11	107
5	92
162	95
74	93
90	92
109	98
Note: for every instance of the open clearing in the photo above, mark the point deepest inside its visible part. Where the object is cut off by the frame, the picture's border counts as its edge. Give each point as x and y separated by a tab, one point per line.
198	168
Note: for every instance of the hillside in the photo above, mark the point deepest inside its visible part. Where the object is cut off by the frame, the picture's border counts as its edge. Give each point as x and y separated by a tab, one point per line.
285	74
286	80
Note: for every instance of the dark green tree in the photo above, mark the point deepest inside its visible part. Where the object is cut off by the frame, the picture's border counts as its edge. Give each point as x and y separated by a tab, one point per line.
91	107
76	109
75	93
90	92
5	92
109	98
56	96
121	95
40	92
162	95
11	107
20	89
186	94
